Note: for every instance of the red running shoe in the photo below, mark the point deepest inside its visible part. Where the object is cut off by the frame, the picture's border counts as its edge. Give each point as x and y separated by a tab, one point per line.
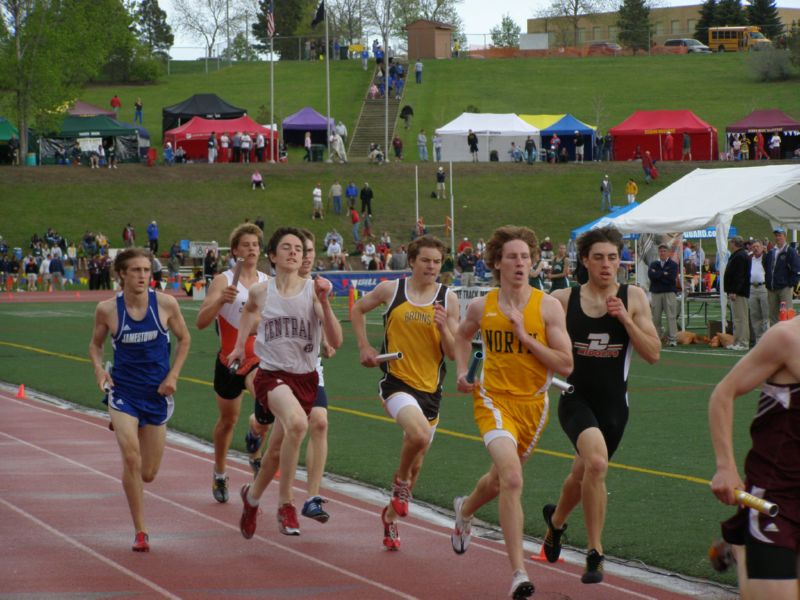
401	494
247	522
141	542
391	538
287	520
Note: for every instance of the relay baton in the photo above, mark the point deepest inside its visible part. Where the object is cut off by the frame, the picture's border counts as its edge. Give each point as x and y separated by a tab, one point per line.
237	270
382	358
562	385
106	385
234	366
763	506
473	366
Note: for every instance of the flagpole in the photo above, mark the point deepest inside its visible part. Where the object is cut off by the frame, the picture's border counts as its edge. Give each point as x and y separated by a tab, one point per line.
272	147
328	87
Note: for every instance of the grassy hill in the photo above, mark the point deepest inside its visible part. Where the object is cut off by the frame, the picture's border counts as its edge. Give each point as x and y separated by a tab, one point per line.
205	202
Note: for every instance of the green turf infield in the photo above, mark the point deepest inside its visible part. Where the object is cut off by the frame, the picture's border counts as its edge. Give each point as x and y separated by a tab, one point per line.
661	511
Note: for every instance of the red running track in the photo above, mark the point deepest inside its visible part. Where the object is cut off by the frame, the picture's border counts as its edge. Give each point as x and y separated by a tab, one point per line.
67	532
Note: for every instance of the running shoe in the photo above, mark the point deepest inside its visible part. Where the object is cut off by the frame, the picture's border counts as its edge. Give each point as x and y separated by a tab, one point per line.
552	538
141	542
220	489
594	567
401	494
391	538
521	586
462	532
312	508
255	464
252	442
247	522
287	519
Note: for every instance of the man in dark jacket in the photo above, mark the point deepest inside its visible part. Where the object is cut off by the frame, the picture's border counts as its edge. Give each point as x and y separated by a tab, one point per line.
663	274
781	269
366	199
736	283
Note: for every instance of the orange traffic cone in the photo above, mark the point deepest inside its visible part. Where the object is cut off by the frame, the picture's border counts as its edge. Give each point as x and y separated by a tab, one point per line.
21	391
541	556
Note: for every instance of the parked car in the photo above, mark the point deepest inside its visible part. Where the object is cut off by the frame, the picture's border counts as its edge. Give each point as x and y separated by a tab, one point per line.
692	46
604	48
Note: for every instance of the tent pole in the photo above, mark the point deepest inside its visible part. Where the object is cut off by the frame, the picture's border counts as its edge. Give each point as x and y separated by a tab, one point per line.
416	193
452	213
683	285
660	148
272	147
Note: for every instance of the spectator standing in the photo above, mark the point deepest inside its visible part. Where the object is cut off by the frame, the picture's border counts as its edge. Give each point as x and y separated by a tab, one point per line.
247	145
399	260
440	183
137	111
224	148
669	146
781	267
647	166
316	195
422	145
355	220
365	58
335	194
366	221
736	283
437	147
57	272
366	199
579	143
530	150
418	70
631	189
407	113
759	306
44	271
686	153
472	142
775	146
663	275
397	145
560	269
212	148
236	142
351	193
307	146
152	237
605	194
13	147
116	103
466	265
342	131
760	153
261	143
169	154
129	236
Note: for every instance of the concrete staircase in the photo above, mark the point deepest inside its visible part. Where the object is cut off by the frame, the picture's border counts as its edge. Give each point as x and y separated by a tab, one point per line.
370	127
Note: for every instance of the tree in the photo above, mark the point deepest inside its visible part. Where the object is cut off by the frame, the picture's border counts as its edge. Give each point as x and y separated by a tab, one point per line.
49	49
204	19
730	12
573	11
240	49
708	18
152	27
346	18
506	35
288	15
634	24
764	14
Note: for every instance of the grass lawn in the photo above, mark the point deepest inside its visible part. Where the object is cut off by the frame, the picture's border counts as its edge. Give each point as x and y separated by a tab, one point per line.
660	509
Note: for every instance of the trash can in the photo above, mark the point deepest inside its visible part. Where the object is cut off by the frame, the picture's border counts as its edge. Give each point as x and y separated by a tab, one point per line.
151	157
317	152
343	52
30	159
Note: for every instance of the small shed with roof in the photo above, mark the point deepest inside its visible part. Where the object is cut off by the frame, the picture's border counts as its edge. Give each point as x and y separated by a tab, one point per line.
429	39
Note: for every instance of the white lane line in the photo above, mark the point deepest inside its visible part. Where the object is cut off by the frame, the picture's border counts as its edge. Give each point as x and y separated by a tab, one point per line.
70	540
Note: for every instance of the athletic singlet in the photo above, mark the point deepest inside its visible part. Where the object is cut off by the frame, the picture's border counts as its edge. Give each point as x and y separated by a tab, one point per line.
773	462
141	348
289	332
228	322
508	366
409	328
601	350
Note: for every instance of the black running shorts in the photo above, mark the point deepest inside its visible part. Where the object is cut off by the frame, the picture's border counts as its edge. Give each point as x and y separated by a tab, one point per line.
577	414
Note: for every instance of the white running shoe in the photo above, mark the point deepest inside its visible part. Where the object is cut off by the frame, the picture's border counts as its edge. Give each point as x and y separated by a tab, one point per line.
521	586
462	531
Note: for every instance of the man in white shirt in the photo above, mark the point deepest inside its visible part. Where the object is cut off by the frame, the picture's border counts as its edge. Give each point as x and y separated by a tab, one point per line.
334	249
759	306
260	144
317	199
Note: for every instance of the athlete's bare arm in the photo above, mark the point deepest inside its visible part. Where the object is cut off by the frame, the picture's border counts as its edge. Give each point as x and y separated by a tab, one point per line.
172	319
381	294
251	313
556	355
447	322
219	294
638	323
331	328
105	322
776	358
463	341
562	296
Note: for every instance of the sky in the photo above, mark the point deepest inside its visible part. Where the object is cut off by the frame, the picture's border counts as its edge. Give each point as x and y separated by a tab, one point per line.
478	16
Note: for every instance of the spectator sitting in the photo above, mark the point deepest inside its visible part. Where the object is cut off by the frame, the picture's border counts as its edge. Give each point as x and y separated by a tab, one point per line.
547	249
94	159
516	153
375	154
334	248
368	255
256	181
339	263
320	266
76	154
563	156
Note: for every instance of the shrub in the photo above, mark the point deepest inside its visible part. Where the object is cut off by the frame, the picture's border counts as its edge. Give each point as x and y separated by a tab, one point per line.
770	64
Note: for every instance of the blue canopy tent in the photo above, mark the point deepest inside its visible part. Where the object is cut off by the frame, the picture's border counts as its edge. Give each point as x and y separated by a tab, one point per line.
565	128
616	211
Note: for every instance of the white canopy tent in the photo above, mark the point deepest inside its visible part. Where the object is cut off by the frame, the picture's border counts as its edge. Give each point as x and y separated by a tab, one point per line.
494	131
711	197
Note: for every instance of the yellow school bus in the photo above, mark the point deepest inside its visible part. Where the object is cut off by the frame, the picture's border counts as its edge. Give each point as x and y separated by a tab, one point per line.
736	39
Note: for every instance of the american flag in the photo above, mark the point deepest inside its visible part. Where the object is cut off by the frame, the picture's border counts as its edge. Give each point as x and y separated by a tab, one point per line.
270	20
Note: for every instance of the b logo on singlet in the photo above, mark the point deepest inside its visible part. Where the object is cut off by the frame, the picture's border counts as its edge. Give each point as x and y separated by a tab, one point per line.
598	346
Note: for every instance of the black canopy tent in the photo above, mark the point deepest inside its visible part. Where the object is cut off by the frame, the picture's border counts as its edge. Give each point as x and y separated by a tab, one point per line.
207	106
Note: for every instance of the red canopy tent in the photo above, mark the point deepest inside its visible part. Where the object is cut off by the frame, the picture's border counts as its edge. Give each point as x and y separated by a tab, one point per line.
193	136
648	129
767	122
